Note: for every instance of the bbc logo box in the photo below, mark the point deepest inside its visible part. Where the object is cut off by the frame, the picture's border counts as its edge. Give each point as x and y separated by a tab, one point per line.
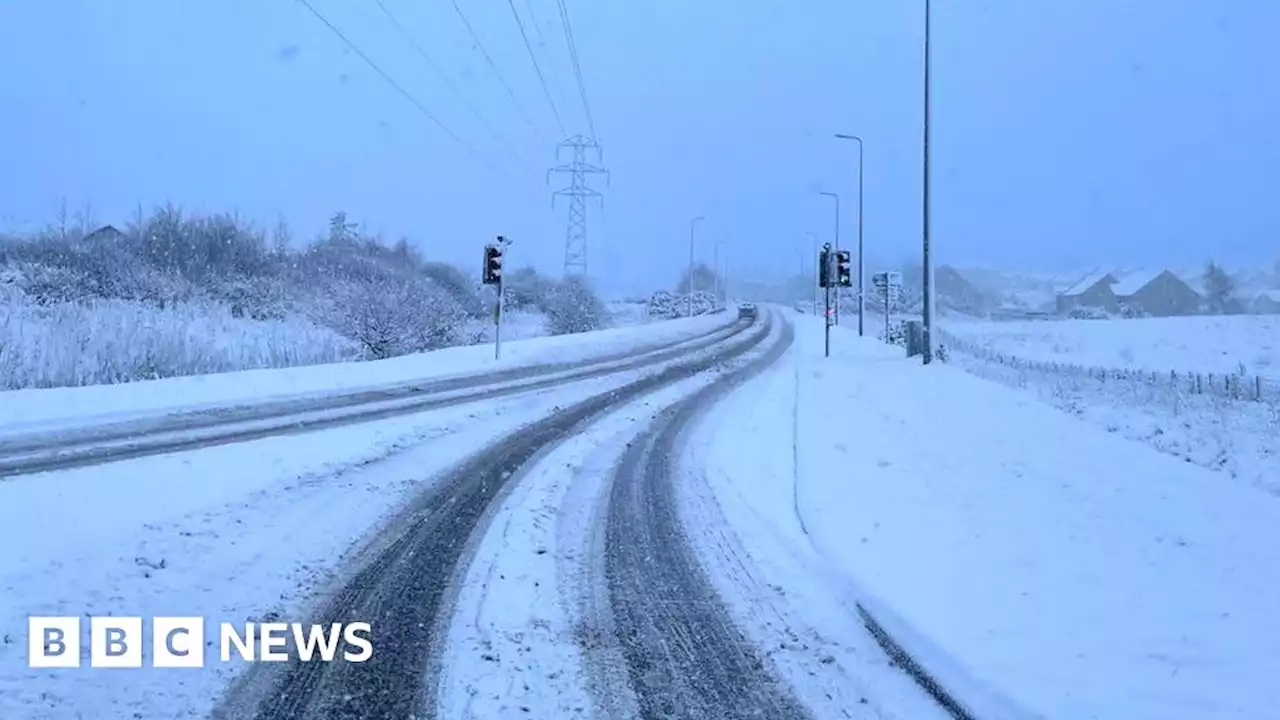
179	642
115	642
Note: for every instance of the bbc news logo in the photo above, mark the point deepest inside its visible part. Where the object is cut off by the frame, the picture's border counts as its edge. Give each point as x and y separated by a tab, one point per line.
179	642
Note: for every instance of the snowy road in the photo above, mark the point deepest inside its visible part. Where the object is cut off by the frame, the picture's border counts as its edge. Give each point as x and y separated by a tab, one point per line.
557	546
79	447
408	586
684	655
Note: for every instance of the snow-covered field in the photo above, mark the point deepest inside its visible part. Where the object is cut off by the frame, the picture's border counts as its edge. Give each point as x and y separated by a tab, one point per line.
1036	564
39	409
1203	344
1189	399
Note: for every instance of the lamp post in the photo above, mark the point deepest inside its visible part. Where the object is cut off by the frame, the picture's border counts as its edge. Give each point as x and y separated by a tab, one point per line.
925	250
862	303
715	275
816	270
692	224
836	247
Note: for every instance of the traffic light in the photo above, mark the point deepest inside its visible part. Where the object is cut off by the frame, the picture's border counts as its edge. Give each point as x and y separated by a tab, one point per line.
844	274
492	265
824	268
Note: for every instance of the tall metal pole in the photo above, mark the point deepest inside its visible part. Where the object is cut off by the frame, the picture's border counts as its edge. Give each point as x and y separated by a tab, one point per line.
692	224
836	246
814	307
862	302
862	284
505	244
927	259
715	275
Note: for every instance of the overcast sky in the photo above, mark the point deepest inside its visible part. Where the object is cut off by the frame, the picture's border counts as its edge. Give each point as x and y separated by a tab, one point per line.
1066	133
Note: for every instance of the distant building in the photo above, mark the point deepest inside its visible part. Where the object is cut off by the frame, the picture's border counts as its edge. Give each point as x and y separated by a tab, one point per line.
1265	302
104	234
1090	291
1158	293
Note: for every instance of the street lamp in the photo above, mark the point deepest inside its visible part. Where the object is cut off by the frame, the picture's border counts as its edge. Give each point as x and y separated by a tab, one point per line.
814	308
715	264
836	245
927	259
861	277
692	224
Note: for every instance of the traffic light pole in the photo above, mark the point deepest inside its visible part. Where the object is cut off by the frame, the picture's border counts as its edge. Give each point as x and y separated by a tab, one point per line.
825	276
497	321
888	293
826	315
491	274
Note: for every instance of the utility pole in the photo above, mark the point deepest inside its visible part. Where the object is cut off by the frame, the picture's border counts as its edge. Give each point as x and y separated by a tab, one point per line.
825	265
836	246
862	302
927	259
693	223
715	263
575	238
814	306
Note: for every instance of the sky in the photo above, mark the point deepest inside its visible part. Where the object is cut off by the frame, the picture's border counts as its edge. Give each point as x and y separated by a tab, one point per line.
1064	134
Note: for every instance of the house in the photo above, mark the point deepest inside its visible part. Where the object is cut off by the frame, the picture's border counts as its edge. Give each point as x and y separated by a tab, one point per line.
1265	302
105	233
1090	291
1157	292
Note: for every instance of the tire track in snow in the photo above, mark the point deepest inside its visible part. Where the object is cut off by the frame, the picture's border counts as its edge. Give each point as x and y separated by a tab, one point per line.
684	655
408	590
202	429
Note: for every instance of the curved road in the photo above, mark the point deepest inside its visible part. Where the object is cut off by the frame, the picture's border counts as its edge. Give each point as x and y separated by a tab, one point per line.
684	656
80	447
406	591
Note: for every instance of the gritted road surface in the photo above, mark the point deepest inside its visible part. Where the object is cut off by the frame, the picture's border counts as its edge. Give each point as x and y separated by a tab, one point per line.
685	657
407	590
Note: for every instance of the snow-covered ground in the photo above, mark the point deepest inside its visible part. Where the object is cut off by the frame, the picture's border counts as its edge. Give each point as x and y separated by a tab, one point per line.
229	533
1240	440
1203	344
42	409
1033	562
739	478
1238	436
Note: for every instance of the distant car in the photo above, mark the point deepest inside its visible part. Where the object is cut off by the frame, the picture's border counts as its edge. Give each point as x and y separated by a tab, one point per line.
747	311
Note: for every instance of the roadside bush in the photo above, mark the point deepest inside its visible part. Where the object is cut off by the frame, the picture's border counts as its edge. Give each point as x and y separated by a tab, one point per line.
574	307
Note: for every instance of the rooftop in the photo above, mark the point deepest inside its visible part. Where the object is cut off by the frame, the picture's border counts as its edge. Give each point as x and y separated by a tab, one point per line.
1086	282
1132	282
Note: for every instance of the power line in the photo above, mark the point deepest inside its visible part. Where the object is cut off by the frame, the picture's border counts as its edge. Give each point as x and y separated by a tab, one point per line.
537	68
577	67
494	66
451	85
399	88
542	42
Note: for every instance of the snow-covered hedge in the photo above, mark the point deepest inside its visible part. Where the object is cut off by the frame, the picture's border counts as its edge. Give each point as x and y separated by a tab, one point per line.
666	305
114	341
573	307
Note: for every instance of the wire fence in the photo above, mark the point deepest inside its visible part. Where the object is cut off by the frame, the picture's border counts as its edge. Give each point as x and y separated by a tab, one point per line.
1242	387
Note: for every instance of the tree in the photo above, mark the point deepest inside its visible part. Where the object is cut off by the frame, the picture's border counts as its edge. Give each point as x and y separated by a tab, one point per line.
1219	289
528	288
574	307
704	280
